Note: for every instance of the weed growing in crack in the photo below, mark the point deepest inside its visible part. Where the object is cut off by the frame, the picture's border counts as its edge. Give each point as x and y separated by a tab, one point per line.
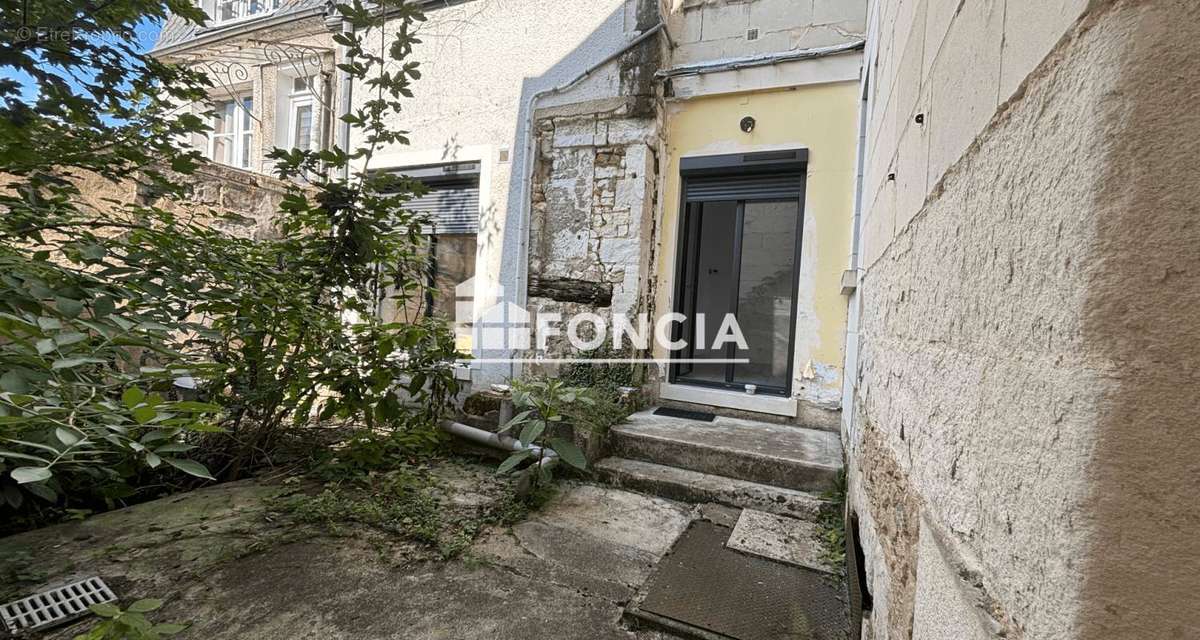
406	502
832	525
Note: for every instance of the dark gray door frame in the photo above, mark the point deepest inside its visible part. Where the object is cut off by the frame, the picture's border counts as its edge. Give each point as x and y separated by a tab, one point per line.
766	176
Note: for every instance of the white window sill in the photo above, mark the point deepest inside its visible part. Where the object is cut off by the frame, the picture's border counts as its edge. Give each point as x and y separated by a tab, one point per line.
215	25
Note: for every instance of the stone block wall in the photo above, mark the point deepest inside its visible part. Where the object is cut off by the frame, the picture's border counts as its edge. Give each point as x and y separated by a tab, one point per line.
592	231
254	197
707	30
1019	443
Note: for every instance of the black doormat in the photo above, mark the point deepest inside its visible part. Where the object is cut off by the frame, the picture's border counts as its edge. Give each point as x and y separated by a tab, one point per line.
703	584
684	413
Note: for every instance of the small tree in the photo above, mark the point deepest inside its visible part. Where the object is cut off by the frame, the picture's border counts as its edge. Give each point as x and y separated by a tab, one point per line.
102	309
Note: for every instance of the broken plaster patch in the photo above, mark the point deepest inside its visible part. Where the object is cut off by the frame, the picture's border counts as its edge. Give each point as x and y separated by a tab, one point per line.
786	540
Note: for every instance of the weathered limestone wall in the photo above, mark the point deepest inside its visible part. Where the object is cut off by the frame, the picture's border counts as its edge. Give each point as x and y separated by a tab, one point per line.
593	202
1141	573
214	187
1021	451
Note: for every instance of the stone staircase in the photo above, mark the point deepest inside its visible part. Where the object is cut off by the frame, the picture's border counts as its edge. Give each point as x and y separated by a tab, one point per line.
769	467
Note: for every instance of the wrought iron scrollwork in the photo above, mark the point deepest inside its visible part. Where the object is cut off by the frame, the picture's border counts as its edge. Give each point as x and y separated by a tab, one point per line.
303	60
227	75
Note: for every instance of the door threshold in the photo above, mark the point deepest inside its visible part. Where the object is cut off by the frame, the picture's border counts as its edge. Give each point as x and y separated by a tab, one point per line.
773	405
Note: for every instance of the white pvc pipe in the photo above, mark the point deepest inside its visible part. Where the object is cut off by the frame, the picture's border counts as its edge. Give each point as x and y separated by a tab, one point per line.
501	441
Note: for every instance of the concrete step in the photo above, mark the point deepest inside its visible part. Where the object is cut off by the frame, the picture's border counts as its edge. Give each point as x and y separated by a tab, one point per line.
693	486
759	452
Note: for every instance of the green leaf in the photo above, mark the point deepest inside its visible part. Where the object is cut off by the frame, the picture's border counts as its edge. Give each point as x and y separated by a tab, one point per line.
42	491
132	397
12	496
105	610
68	339
569	453
67	436
516	420
532	432
515	459
13	455
174	447
44	346
103	306
144	414
93	251
196	407
70	363
153	460
47	323
35	445
25	475
13	382
204	427
145	605
68	307
190	467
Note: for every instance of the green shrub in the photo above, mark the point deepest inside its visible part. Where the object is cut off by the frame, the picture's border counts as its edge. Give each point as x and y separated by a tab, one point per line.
100	310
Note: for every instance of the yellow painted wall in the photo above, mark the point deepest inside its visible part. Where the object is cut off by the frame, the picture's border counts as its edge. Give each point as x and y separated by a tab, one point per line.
823	119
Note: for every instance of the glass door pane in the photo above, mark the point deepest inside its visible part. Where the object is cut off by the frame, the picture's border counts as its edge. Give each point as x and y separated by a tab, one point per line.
766	289
710	235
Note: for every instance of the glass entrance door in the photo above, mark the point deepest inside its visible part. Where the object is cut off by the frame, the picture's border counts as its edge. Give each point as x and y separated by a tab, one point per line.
739	258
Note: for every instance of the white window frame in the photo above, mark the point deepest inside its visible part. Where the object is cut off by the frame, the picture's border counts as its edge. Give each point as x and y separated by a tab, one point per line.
296	100
243	9
240	135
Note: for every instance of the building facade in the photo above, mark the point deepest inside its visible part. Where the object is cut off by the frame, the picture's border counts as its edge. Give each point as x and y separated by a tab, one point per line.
274	80
570	154
959	232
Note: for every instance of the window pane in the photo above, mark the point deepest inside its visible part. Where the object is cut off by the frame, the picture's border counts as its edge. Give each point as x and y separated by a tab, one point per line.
454	264
248	105
227	10
247	144
223	117
301	85
765	291
220	152
302	126
708	289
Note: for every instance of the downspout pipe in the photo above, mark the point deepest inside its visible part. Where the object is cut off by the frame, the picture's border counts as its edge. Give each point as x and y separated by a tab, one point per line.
527	164
347	97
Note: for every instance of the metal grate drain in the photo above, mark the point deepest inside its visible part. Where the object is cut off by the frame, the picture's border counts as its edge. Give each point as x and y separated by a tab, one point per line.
55	606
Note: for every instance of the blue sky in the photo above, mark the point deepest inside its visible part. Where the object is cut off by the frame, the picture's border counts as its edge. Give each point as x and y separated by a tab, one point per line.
145	32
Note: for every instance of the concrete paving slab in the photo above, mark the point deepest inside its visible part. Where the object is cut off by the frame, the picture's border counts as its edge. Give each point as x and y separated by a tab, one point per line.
225	563
598	539
787	540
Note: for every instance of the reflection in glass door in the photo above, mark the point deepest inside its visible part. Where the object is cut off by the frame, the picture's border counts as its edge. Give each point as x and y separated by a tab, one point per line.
739	257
